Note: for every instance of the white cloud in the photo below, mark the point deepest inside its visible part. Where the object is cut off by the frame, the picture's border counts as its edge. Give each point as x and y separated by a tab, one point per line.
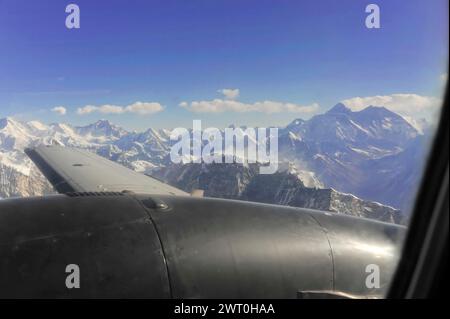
86	109
219	105
230	94
444	77
141	108
110	109
403	104
61	110
144	108
230	104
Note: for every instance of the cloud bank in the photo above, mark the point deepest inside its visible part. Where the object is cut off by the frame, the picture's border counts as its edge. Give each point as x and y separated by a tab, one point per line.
269	107
229	104
141	108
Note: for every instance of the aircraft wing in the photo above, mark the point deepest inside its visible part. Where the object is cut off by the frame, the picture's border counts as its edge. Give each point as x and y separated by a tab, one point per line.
76	170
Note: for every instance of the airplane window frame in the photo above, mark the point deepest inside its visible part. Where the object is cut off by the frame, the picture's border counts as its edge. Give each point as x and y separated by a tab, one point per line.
421	271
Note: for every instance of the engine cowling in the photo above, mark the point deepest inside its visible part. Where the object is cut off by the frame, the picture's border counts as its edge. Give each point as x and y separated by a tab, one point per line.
139	246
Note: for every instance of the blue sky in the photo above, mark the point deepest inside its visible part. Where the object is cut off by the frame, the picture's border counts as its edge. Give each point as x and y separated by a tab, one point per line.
306	54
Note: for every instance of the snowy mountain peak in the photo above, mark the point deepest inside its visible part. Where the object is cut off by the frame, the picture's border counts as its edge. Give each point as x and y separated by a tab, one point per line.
103	123
8	121
378	111
102	128
381	121
61	127
382	113
339	108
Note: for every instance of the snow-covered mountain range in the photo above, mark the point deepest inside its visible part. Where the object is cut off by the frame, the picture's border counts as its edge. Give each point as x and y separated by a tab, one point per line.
374	154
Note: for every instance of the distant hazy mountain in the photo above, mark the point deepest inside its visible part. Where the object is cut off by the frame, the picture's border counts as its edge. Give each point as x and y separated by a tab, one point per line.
373	154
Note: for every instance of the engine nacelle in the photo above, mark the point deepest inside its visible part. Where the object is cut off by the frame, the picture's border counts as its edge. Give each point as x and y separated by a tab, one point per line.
138	246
